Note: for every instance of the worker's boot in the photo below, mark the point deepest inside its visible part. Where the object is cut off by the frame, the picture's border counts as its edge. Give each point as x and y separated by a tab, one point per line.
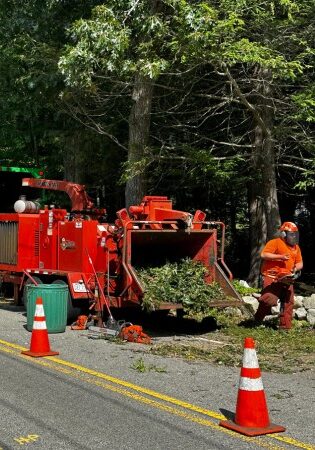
258	318
252	323
258	323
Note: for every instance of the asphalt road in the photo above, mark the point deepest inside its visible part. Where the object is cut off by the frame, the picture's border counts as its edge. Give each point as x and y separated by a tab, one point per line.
90	396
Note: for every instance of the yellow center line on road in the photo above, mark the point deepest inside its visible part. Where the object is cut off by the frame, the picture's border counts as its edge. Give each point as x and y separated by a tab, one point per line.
48	363
291	441
67	368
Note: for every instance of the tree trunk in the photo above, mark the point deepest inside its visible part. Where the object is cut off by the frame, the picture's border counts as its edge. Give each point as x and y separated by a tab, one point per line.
74	166
268	167
256	206
139	133
263	203
263	199
258	232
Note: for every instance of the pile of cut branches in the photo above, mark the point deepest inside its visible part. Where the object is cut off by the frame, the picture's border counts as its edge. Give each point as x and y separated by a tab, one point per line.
180	282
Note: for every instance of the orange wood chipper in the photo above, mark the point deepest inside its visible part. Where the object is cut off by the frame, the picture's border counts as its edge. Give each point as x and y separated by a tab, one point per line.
98	260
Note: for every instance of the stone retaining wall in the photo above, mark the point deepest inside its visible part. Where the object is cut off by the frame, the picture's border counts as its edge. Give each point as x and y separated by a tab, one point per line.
304	307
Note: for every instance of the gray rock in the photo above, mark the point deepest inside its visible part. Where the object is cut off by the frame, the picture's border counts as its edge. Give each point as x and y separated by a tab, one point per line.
298	301
251	303
275	310
300	313
309	302
232	311
311	316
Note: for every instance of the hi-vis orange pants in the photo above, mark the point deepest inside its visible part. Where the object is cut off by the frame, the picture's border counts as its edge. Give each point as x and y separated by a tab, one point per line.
271	292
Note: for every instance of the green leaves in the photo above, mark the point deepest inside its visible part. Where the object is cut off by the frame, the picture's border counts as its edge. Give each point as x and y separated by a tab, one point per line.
100	45
305	100
114	41
182	283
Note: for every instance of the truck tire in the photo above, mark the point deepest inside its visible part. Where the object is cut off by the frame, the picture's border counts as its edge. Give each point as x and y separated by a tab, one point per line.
75	307
27	283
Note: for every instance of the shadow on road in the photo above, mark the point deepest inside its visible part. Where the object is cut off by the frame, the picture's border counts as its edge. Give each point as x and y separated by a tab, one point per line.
229	415
8	305
162	323
157	324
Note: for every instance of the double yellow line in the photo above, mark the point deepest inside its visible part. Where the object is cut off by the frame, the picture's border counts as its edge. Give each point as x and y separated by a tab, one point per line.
155	399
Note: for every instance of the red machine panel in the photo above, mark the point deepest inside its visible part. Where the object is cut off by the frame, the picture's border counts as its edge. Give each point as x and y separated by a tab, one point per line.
49	220
19	241
76	240
28	254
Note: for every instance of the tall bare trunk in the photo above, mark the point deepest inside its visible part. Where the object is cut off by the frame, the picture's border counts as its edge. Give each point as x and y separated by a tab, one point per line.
256	207
263	204
139	133
268	167
73	157
270	188
257	236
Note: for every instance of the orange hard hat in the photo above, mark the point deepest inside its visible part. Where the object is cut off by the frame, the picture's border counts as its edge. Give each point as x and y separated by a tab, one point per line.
288	226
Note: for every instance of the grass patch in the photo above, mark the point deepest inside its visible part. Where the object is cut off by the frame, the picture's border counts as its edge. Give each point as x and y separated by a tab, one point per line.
287	352
140	366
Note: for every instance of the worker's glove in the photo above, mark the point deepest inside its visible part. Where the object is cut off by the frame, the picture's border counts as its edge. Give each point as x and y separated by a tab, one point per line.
296	274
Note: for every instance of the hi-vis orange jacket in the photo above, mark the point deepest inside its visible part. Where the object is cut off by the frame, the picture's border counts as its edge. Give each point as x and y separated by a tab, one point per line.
280	247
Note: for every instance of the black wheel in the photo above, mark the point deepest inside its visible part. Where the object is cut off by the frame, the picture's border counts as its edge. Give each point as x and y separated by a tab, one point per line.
27	283
76	307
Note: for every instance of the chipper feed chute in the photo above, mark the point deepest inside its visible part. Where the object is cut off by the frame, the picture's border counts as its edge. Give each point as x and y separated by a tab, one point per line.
149	242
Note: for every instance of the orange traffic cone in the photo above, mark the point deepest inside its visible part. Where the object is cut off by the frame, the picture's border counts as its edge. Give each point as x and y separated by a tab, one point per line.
39	340
251	417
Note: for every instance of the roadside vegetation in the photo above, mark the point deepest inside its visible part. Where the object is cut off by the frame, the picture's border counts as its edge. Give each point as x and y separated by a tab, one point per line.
216	335
277	351
283	352
140	366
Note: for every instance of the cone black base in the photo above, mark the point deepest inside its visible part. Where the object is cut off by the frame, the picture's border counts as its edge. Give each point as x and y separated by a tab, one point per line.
248	431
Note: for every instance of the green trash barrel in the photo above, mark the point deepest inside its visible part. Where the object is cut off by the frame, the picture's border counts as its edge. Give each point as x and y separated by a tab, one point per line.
55	298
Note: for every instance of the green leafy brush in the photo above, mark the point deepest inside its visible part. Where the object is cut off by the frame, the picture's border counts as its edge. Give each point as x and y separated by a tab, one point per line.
180	282
243	290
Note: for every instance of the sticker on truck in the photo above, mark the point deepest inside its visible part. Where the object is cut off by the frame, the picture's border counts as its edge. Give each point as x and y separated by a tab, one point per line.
79	287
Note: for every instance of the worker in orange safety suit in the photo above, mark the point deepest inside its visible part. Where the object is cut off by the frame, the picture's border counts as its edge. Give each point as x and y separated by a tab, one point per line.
282	260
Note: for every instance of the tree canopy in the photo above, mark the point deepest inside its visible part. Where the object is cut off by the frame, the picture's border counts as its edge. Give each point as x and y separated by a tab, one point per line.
210	102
